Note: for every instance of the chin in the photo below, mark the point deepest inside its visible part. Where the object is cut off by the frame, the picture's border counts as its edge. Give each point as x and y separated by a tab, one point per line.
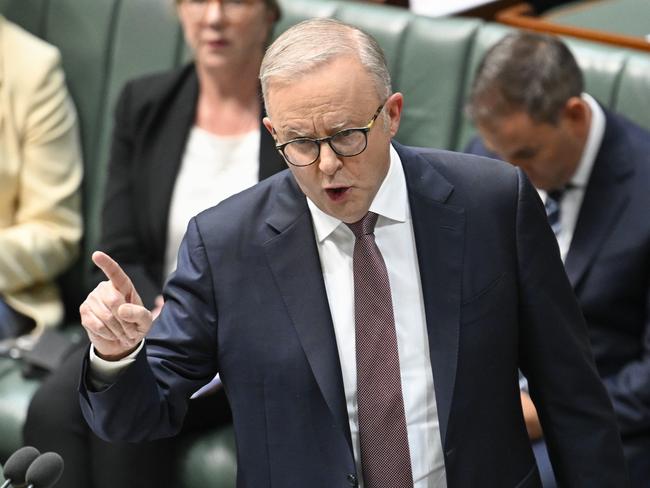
351	218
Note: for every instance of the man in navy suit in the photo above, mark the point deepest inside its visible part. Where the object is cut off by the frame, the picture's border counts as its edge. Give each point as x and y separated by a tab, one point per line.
593	169
276	289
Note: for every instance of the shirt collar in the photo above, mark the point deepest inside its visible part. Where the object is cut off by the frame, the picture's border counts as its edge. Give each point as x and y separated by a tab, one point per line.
594	139
390	202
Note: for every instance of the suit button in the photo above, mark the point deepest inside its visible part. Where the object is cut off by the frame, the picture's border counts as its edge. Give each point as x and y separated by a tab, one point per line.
352	479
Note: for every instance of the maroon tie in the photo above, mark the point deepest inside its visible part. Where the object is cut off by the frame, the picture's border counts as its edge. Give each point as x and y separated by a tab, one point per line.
385	458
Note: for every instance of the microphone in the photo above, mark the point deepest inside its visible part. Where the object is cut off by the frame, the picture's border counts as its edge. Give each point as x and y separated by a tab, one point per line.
17	465
45	471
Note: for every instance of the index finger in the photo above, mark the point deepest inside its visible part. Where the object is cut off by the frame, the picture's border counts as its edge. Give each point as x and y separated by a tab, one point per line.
114	273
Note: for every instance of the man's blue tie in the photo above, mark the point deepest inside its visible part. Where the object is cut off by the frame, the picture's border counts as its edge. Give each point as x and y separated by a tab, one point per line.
552	204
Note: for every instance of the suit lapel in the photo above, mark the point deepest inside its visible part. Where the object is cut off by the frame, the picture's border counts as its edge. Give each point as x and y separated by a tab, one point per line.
162	154
439	237
605	199
293	258
439	233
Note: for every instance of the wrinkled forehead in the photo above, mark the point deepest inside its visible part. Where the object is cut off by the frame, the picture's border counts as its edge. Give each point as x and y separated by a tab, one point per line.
339	83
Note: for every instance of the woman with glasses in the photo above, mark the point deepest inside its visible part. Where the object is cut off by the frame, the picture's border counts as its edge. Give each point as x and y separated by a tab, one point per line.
183	141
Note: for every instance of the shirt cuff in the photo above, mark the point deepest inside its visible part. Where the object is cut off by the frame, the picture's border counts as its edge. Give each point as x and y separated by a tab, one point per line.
103	373
523	383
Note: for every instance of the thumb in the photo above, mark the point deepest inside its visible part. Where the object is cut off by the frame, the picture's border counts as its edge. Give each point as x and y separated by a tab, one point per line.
136	314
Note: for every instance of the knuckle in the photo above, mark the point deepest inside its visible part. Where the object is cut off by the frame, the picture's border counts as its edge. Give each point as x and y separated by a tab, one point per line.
112	300
105	316
104	331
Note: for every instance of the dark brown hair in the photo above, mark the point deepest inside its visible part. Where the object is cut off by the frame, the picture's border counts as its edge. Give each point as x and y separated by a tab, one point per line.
525	71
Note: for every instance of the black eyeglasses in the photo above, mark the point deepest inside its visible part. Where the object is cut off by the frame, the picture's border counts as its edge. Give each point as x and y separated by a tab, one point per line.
304	151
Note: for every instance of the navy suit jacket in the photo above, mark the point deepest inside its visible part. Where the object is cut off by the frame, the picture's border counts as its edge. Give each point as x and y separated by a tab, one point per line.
248	300
608	264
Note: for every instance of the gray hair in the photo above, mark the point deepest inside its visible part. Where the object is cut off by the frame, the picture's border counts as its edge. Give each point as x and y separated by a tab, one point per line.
525	71
315	42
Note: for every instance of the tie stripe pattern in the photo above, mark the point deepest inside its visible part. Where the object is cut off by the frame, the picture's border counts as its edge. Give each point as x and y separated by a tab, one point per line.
552	205
385	458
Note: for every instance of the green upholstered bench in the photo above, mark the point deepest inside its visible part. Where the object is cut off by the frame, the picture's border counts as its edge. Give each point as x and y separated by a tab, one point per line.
432	61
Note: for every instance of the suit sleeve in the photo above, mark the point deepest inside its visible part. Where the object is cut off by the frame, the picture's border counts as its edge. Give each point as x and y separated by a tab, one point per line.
629	388
555	355
44	237
119	233
149	399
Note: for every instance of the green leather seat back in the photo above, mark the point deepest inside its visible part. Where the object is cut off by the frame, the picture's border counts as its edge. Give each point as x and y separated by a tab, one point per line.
488	35
83	31
431	74
633	91
30	15
601	66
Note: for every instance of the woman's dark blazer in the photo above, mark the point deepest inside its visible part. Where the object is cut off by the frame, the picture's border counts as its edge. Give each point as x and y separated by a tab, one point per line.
153	118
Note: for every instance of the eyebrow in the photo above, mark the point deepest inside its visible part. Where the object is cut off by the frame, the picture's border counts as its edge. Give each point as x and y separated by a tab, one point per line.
294	133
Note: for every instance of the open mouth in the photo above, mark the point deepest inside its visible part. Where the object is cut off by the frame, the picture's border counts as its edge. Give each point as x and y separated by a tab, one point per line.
337	193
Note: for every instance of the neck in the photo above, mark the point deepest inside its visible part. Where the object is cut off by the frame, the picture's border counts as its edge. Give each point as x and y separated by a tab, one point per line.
228	101
581	143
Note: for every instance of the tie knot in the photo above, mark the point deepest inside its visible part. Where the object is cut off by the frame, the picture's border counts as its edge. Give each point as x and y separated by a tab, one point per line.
365	226
556	195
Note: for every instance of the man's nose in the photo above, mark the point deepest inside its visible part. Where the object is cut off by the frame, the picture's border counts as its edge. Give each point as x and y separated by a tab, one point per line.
329	162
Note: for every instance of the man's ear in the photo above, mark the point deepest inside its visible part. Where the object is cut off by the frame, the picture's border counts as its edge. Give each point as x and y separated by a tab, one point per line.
394	106
577	113
267	123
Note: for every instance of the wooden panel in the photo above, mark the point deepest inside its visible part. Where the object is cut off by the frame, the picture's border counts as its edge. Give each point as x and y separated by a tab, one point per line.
521	16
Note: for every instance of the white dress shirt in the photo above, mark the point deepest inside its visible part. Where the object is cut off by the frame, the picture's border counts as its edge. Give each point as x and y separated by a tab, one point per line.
395	239
574	194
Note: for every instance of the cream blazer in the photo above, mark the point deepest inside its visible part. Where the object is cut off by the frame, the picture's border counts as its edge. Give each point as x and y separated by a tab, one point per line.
40	176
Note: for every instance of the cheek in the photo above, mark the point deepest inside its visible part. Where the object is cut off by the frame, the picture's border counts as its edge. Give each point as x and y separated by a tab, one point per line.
305	178
190	33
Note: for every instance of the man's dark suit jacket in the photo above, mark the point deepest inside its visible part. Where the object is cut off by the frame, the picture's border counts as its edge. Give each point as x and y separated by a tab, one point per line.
248	300
153	119
608	265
